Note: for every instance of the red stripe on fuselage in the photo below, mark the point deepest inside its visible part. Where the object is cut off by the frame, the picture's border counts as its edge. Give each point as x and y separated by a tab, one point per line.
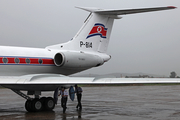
35	61
1	60
22	61
48	61
11	60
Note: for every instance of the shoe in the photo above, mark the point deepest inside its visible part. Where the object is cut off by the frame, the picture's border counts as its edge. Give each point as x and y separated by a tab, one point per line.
64	111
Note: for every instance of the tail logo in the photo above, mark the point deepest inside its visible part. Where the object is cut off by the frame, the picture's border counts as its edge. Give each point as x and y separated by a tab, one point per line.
98	29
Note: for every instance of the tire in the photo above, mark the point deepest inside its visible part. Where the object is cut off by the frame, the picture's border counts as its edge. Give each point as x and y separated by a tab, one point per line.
49	104
36	105
28	106
43	99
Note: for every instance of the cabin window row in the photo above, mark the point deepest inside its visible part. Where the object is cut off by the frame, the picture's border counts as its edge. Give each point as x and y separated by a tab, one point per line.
17	60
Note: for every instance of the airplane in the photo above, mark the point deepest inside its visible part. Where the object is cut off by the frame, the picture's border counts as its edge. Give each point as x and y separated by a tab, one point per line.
37	70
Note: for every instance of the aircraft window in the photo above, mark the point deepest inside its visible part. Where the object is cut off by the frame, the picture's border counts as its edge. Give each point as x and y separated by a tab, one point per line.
16	60
5	60
40	61
28	61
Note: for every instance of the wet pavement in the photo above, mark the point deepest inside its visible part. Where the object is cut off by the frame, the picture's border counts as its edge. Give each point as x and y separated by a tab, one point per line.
100	103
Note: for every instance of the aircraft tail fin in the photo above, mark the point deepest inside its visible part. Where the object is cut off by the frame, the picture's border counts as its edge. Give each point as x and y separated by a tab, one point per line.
95	33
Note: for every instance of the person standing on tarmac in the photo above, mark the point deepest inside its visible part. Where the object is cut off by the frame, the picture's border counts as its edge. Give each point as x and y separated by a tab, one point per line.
78	91
64	97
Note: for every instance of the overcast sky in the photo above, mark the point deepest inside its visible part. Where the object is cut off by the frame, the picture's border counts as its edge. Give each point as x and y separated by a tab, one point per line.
146	42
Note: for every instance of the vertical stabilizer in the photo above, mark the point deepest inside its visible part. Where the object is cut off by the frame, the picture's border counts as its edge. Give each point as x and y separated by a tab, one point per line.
95	33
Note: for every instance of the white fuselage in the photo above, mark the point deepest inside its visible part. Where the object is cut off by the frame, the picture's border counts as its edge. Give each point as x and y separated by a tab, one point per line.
22	61
16	61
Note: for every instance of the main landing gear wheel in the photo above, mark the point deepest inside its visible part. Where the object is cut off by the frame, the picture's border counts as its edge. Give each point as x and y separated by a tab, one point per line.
28	106
36	104
42	99
49	104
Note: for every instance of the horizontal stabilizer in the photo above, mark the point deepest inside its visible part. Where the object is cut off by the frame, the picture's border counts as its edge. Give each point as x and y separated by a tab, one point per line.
126	11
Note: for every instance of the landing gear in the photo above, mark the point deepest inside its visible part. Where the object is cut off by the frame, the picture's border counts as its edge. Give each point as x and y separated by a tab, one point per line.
49	104
36	104
28	106
43	104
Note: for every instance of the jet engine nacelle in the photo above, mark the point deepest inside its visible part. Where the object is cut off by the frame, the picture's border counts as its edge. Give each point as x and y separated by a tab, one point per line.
77	60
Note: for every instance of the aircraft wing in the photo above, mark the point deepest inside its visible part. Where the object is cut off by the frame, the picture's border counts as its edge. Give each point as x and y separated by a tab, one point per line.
53	79
126	11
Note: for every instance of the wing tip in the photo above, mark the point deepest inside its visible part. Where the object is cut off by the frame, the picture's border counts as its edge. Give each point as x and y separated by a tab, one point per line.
89	9
172	7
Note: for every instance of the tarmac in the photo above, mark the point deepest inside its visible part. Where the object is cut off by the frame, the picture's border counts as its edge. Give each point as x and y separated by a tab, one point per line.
155	102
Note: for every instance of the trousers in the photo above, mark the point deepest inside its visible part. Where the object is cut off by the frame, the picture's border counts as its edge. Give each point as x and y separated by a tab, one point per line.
63	103
79	96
